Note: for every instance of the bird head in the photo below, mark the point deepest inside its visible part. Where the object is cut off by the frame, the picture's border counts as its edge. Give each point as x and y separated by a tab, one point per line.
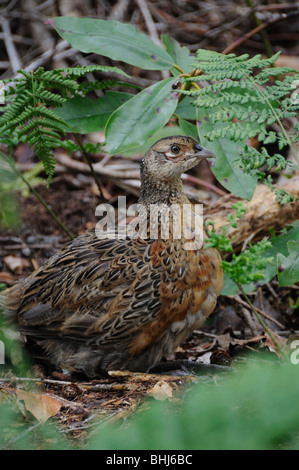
169	157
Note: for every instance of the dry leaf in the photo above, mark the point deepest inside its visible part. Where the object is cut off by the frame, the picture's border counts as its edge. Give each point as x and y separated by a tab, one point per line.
16	264
42	406
161	391
272	346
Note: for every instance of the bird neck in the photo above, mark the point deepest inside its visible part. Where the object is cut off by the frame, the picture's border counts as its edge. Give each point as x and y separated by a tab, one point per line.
154	191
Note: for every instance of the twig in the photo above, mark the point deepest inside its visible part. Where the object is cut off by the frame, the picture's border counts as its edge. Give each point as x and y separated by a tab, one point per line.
256	30
61	383
149	21
205	184
258	316
10	47
277	6
90	164
40	61
244	38
151	28
264	314
249	318
98	168
266	41
271	290
118	10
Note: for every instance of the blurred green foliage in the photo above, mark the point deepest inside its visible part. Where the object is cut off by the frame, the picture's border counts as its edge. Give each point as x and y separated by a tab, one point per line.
254	408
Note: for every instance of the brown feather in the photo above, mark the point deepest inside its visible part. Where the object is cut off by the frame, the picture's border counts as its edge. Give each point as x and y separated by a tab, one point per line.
103	303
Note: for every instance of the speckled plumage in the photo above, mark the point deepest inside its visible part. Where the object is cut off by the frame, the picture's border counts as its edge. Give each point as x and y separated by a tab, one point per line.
102	304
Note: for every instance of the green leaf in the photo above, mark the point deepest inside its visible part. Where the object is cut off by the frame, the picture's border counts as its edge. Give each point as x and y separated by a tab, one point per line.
136	120
229	286
180	55
278	248
279	245
188	128
84	115
79	71
290	264
113	39
166	131
186	110
227	152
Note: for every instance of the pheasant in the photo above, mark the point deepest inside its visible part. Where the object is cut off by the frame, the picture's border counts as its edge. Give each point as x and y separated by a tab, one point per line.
105	303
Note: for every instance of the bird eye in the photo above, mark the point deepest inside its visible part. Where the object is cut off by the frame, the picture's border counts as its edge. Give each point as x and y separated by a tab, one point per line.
175	149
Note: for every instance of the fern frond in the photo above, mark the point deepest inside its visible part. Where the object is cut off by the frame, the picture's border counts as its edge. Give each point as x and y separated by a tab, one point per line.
79	71
28	114
241	93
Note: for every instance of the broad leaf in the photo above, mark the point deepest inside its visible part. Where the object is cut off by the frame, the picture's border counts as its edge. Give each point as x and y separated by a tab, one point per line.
280	245
188	128
166	131
185	109
180	55
140	117
229	286
290	265
84	115
113	39
227	152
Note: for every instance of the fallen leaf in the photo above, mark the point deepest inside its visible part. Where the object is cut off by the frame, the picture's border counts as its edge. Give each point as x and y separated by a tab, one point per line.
226	340
16	264
161	391
41	405
272	346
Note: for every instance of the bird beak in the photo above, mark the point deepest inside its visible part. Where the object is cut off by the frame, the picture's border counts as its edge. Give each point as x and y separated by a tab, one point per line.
202	152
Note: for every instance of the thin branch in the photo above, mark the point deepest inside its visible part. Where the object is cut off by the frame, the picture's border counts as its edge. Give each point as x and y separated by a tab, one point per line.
12	53
149	21
151	28
90	164
260	319
265	38
256	30
264	314
205	184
